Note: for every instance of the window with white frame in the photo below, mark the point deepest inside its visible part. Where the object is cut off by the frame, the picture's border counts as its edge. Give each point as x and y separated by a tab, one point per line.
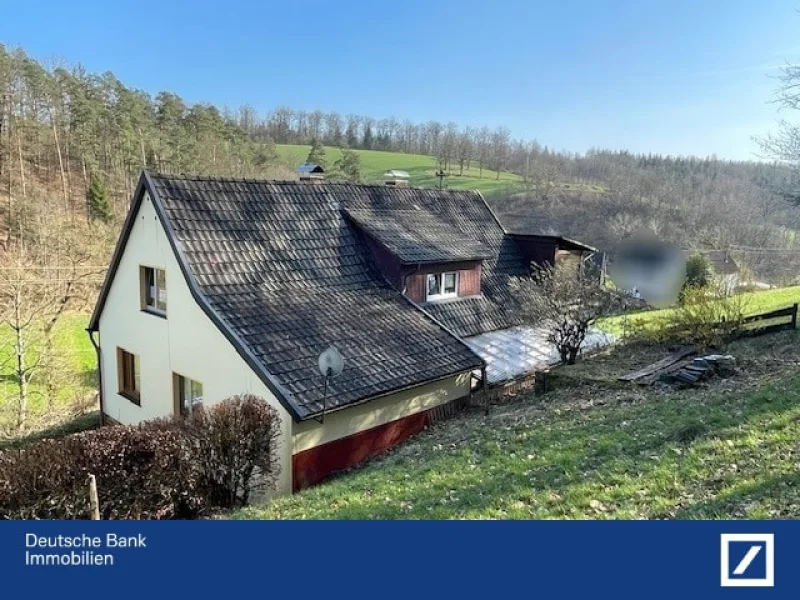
188	394
153	290
441	286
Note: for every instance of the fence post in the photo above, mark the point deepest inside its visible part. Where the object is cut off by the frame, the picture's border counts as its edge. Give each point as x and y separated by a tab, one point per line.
94	502
794	316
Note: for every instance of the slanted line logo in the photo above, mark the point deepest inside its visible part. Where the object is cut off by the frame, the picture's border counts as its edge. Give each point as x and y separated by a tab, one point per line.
747	560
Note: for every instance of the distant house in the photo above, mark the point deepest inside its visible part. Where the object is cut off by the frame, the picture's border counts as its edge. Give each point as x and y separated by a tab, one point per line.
724	267
220	287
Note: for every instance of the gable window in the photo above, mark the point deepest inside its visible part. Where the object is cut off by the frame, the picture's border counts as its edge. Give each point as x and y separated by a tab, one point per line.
129	376
442	285
188	394
153	283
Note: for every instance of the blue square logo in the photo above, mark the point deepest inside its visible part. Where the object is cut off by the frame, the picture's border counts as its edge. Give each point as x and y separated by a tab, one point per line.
747	560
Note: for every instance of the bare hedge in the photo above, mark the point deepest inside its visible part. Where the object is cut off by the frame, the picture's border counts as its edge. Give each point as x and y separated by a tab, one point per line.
165	469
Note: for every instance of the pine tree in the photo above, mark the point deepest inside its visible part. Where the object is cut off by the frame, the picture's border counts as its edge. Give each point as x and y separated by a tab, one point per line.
317	154
348	166
97	200
368	137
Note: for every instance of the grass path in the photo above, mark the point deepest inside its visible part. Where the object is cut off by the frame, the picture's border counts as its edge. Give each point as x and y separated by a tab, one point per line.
590	452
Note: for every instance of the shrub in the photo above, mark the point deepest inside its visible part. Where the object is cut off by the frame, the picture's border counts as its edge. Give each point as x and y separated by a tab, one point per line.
704	318
168	468
235	447
140	473
699	272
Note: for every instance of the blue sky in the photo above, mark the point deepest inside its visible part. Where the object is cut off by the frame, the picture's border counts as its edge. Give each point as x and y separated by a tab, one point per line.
676	77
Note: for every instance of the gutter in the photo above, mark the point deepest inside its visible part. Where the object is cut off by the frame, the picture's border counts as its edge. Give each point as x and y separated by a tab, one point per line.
96	345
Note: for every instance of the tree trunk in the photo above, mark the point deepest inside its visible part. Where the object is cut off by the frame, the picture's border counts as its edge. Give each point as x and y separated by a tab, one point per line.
22	369
21	162
60	161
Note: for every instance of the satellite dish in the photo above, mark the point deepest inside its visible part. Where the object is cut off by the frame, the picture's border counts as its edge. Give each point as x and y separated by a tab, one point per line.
330	362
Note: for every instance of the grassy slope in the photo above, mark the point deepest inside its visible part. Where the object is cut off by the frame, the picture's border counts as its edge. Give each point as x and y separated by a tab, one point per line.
422	169
754	302
608	453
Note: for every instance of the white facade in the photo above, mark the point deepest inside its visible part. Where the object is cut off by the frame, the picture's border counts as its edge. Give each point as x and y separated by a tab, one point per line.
186	342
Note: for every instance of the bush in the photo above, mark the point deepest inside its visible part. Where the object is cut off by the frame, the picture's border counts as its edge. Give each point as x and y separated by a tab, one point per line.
168	468
235	447
703	318
699	272
140	473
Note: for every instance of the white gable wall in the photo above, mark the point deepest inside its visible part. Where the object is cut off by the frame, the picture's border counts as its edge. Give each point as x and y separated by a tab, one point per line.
186	342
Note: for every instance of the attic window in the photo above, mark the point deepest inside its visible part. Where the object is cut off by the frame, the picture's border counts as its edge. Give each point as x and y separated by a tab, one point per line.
442	286
153	284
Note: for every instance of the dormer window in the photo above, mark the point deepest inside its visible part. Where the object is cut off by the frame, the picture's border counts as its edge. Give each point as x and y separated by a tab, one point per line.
442	286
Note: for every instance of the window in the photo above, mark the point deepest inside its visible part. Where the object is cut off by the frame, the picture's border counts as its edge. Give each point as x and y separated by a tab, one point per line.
442	285
188	394
153	290
129	375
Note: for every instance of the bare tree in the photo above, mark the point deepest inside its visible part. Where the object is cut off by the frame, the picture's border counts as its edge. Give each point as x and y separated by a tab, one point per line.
567	301
499	141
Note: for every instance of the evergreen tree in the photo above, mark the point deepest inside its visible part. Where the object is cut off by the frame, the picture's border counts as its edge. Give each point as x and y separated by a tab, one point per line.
368	137
348	166
98	201
317	154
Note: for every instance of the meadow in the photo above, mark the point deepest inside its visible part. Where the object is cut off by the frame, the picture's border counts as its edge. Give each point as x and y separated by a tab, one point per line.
422	169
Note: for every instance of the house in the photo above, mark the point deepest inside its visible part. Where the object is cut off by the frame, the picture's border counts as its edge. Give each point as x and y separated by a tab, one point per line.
724	268
219	287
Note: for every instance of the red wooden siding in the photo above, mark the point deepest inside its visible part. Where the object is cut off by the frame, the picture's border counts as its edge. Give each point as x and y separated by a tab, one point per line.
312	466
469	281
415	286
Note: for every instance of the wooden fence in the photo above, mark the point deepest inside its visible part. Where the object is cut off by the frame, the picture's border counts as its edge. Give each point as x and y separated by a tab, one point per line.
765	322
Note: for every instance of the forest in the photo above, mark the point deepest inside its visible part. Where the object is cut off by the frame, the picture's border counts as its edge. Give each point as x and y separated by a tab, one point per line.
72	145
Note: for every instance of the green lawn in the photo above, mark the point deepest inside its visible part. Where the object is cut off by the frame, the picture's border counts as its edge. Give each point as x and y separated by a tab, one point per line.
422	169
592	451
77	372
754	303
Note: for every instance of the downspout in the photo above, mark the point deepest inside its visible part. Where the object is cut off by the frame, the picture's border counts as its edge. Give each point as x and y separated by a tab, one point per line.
99	375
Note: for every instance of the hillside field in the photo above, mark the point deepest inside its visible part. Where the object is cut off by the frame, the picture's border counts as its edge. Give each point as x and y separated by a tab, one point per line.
422	169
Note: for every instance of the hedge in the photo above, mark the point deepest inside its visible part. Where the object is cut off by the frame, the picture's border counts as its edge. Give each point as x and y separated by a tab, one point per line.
164	469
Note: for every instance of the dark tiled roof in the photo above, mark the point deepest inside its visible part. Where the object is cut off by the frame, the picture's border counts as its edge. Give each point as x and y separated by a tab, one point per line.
417	236
467	213
285	271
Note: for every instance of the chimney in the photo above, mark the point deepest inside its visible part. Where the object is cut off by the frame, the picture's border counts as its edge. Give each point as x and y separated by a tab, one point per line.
310	173
396	178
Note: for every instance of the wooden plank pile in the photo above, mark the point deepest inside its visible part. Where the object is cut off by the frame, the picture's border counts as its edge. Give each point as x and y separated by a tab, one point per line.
701	368
679	368
651	373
